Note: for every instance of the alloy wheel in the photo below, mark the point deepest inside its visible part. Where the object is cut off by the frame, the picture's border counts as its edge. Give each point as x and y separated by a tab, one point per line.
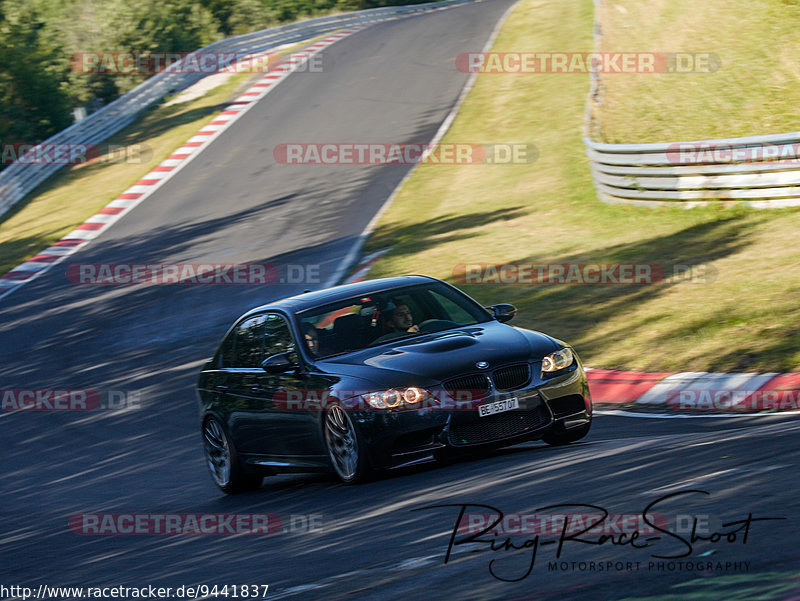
342	442
218	452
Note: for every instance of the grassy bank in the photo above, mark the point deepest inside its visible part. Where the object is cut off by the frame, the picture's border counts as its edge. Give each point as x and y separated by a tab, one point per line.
755	89
742	315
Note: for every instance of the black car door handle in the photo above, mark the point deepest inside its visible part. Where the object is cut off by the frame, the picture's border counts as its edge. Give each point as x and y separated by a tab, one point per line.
221	388
257	389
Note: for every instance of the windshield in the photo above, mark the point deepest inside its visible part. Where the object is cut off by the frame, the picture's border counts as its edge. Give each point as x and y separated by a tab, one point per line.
365	321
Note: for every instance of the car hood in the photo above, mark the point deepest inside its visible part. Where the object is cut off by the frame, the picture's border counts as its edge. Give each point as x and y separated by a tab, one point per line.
432	358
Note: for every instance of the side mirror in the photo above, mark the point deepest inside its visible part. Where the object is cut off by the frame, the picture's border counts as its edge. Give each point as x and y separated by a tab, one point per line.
502	312
278	364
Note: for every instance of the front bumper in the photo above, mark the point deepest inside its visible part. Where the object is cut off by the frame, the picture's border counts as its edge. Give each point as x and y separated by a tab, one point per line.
406	437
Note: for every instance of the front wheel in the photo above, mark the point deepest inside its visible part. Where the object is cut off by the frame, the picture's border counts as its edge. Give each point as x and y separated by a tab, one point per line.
563	437
346	447
223	463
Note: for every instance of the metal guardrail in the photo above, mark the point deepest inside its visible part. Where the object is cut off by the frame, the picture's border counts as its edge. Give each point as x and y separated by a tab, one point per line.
761	171
22	176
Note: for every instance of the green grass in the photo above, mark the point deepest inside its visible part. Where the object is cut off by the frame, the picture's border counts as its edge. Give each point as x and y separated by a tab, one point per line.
756	89
546	212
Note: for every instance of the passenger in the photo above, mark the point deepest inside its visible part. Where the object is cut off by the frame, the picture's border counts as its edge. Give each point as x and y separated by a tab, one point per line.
311	335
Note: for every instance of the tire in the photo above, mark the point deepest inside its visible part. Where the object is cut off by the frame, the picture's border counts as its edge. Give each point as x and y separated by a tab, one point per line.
346	447
223	462
564	437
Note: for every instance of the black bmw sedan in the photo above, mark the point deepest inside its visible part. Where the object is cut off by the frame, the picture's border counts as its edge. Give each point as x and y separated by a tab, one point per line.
378	375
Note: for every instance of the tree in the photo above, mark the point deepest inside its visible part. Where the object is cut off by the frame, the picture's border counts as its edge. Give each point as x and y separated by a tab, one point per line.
33	100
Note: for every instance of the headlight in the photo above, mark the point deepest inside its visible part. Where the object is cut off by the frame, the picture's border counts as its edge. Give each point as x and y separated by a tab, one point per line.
395	397
557	361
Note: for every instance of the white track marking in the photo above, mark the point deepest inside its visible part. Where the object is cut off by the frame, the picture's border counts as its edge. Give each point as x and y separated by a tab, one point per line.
654	415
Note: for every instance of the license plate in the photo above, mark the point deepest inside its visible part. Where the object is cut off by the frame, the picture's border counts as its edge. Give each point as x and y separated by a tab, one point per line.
498	407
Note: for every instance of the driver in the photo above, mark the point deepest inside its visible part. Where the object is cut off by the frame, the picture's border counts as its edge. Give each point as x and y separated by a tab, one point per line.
401	320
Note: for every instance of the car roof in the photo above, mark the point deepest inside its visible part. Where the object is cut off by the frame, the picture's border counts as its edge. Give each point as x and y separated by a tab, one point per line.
308	300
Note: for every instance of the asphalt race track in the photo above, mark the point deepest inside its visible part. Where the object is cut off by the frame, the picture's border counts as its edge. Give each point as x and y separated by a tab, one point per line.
392	82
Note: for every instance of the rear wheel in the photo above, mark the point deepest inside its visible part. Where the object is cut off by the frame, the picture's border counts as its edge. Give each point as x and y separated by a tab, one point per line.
345	447
223	462
563	437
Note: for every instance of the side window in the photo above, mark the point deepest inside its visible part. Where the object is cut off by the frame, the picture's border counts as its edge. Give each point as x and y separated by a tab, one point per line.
454	312
249	337
225	356
277	337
